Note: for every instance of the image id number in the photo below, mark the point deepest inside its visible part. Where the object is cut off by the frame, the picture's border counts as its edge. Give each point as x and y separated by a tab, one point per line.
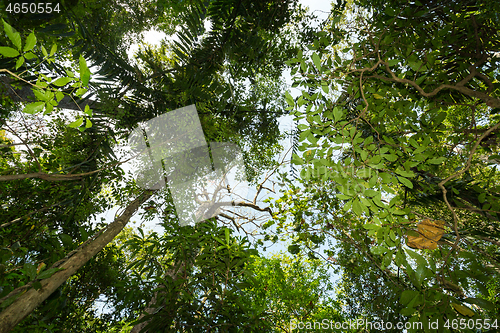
32	8
471	324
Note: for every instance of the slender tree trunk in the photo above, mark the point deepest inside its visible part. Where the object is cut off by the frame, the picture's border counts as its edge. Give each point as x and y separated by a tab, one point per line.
31	298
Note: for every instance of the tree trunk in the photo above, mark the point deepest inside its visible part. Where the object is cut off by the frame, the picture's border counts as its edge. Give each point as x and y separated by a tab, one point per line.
30	299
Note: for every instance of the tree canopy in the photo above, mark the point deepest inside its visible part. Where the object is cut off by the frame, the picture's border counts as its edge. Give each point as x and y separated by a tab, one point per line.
388	200
400	169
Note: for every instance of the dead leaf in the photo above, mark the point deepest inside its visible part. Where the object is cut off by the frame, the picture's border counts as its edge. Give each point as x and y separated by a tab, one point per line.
41	266
429	233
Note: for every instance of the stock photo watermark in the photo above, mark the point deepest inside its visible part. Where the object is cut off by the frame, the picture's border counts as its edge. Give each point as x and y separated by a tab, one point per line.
171	150
382	325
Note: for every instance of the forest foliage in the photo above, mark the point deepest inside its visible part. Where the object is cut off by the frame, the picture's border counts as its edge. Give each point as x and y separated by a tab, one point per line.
388	205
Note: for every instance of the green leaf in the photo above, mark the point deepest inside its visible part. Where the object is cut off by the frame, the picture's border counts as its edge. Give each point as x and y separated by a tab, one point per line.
84	71
44	51
62	81
7	27
437	160
400	258
386	177
14	37
405	173
421	273
53	49
371	193
337	114
289	99
80	91
59	96
347	206
379	250
297	160
66	240
317	61
30	270
343	196
40	95
482	197
387	259
481	302
439	118
371	226
34	108
88	111
293	249
16	40
393	62
405	182
30	55
76	123
48	273
390	11
8	52
390	157
30	42
463	310
356	207
84	234
378	202
407	296
415	65
19	62
364	155
420	260
420	79
48	108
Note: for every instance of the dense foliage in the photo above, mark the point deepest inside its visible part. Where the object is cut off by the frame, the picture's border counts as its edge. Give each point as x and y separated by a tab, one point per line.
406	157
390	211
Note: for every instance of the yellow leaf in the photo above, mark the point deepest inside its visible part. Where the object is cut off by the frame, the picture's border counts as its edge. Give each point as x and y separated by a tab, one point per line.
40	267
377	96
430	232
463	310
